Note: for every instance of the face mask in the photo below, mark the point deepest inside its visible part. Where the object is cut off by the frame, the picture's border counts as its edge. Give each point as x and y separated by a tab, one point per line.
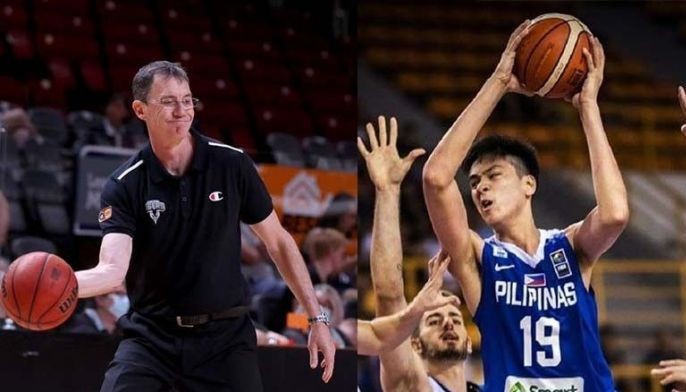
120	305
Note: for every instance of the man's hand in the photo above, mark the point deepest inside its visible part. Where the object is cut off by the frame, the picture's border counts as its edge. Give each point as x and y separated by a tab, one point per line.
594	78
682	102
386	168
503	72
671	371
320	340
430	297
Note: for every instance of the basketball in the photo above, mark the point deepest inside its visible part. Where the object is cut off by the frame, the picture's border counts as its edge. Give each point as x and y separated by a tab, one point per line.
39	291
550	60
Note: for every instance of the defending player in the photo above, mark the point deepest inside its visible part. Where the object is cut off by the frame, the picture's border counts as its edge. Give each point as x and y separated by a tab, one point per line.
387	332
433	360
528	289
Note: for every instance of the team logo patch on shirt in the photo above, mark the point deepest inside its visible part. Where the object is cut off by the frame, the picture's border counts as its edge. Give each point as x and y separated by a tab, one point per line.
105	214
534	280
216	196
560	264
154	209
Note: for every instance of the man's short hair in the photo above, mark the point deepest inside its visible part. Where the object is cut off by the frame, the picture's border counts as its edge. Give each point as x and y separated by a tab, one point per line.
499	146
418	330
144	77
320	241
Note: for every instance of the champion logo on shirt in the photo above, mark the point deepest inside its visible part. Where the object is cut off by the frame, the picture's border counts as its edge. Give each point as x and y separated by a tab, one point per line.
534	280
216	196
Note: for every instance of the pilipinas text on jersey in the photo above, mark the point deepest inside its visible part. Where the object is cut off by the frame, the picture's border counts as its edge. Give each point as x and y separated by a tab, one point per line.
538	321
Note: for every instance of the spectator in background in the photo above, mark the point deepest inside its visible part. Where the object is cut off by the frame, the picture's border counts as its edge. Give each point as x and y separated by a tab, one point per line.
101	319
325	250
332	304
117	128
256	265
5	322
19	127
341	215
4	227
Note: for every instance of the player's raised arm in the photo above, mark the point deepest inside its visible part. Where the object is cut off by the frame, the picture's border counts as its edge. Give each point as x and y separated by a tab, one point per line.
401	369
601	227
115	254
441	193
386	171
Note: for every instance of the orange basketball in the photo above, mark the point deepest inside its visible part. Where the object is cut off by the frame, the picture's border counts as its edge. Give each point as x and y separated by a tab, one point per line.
549	60
39	291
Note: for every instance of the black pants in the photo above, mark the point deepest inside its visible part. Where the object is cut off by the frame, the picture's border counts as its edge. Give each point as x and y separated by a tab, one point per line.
160	356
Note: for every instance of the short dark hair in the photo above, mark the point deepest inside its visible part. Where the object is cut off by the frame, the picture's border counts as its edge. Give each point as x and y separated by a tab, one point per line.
418	329
140	86
502	147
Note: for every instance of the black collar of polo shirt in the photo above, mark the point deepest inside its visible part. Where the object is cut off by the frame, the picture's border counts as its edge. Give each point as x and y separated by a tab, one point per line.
157	171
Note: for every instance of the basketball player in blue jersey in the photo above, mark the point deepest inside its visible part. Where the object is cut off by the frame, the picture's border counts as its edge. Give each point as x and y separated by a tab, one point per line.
528	289
433	359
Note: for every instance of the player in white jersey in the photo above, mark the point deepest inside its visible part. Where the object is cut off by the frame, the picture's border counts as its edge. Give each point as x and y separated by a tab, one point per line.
433	360
387	332
533	351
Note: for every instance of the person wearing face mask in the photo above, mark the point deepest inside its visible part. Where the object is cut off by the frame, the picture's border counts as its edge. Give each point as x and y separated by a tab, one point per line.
102	318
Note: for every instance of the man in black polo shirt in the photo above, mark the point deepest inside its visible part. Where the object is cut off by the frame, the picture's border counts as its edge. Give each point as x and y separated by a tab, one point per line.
170	218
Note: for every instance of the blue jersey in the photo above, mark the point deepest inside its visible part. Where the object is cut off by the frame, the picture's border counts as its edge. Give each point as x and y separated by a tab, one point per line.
538	323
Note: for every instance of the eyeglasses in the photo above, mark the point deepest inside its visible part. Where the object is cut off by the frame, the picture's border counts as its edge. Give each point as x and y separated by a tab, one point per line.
171	103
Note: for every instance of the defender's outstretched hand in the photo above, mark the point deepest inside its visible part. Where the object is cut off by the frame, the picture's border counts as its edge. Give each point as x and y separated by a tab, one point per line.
682	102
503	71
671	371
430	297
594	78
385	166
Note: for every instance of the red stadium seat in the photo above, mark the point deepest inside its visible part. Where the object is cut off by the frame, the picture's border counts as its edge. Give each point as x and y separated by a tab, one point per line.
120	53
93	75
134	33
331	102
13	90
336	126
198	41
125	11
207	88
294	122
20	44
238	28
64	7
13	17
45	92
62	73
180	18
206	65
75	24
255	70
275	95
227	114
319	79
57	45
258	49
242	138
122	75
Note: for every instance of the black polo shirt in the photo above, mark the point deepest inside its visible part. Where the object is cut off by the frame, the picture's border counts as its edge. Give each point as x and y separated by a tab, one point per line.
186	235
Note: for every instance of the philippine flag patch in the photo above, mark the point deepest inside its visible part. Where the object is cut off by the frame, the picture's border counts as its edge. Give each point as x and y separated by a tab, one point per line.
534	280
